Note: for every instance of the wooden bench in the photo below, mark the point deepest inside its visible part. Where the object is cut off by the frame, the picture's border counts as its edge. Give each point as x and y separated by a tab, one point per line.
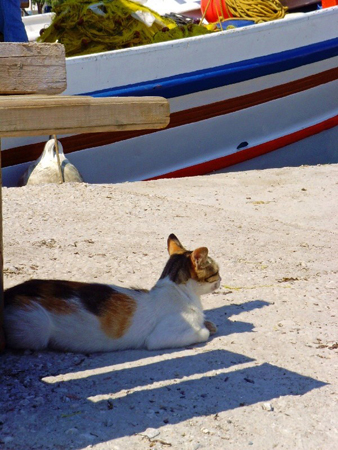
31	77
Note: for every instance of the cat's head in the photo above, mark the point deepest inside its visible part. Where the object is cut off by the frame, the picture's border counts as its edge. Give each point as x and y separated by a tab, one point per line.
194	266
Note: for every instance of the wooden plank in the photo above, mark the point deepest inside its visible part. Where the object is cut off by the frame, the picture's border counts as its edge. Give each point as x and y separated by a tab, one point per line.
31	68
41	115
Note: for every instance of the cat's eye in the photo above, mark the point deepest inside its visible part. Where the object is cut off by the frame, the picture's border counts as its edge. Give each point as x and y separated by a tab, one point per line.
212	278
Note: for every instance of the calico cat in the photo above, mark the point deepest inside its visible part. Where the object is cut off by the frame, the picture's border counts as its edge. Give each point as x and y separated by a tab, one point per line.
90	317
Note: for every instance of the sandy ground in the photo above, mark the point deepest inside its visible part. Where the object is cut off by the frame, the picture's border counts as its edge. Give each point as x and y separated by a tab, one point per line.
267	380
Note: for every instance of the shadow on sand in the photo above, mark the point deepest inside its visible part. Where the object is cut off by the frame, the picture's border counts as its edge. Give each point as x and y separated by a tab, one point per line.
157	388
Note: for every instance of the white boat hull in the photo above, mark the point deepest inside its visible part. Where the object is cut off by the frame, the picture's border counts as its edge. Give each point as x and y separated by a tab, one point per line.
233	95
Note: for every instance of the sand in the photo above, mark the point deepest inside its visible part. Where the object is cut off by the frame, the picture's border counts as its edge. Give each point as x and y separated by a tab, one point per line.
267	379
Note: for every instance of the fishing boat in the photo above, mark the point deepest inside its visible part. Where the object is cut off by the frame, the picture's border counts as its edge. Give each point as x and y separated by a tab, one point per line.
257	92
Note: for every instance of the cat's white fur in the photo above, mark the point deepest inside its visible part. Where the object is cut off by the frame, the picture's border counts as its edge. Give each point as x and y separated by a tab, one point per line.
169	315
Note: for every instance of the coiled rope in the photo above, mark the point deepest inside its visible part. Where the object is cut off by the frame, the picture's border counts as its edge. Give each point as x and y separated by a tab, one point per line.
256	10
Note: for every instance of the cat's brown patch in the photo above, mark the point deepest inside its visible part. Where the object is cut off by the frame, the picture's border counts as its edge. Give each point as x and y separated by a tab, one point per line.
203	268
117	314
56	305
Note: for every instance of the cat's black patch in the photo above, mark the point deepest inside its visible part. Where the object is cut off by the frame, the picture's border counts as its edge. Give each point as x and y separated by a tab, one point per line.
93	296
137	289
178	268
31	288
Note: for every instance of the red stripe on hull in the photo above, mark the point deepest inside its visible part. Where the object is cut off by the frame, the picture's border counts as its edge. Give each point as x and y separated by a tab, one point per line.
250	153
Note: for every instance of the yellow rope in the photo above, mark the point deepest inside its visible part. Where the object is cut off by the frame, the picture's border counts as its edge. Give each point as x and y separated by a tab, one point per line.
257	10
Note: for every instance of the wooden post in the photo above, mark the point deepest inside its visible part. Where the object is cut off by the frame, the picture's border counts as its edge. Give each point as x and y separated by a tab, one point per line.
41	69
2	337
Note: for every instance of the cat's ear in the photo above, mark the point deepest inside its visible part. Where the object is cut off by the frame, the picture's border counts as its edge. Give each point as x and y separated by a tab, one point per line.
199	256
174	245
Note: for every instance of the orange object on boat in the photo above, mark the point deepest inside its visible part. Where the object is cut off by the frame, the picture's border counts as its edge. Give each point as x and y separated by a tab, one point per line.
329	3
214	10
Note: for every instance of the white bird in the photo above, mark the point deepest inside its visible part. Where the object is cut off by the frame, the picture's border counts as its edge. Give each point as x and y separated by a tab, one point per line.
51	167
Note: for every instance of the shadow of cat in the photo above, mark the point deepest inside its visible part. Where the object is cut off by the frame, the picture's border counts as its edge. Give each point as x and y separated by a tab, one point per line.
226	326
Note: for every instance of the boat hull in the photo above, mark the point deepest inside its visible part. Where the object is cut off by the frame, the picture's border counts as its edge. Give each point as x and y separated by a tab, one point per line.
234	96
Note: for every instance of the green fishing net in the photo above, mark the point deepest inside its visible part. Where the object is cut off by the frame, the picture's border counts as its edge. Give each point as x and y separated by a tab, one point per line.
86	26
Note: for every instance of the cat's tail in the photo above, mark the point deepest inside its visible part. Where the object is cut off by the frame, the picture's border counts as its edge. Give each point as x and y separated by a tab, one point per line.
27	328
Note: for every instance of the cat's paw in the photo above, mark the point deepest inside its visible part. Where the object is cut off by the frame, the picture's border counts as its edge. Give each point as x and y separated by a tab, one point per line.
210	326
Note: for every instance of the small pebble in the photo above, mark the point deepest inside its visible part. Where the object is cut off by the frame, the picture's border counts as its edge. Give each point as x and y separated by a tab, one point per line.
88	436
150	433
267	407
38	401
108	423
72	431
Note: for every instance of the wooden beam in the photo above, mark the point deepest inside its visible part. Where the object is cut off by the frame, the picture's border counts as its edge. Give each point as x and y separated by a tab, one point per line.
42	115
31	68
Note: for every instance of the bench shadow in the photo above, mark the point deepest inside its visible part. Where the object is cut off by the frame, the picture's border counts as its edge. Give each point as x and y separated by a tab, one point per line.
206	396
130	400
158	388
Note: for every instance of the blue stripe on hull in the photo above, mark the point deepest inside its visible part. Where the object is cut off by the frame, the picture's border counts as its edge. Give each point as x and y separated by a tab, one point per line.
225	75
